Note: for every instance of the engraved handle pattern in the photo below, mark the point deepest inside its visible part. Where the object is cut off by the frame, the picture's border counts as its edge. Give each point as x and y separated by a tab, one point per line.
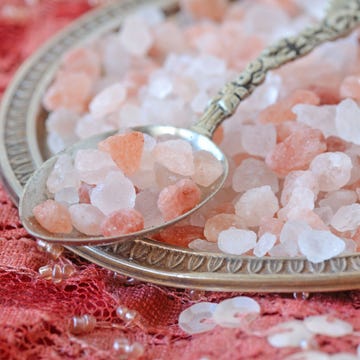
342	17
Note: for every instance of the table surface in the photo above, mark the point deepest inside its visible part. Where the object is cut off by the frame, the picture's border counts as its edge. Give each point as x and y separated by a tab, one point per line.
35	313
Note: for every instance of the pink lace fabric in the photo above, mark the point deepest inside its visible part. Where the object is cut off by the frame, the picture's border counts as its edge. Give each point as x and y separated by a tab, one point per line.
35	313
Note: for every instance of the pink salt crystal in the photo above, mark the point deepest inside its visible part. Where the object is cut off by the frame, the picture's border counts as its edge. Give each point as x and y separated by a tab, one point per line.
325	213
258	140
347	218
212	9
346	120
84	193
125	149
253	173
207	168
296	179
282	110
122	222
332	169
92	165
350	87
214	225
108	101
255	204
203	245
338	198
82	59
53	217
296	151
168	38
270	225
179	235
265	244
286	128
62	175
329	95
177	199
300	198
86	218
70	90
334	143
135	36
116	192
311	218
176	155
236	241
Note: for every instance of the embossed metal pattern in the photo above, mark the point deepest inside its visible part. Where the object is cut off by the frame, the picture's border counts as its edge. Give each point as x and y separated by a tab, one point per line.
22	149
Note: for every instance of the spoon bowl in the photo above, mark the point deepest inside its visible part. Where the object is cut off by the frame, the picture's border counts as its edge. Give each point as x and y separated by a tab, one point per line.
36	191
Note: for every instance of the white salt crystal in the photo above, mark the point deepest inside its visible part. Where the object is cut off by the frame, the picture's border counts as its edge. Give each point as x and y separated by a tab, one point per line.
164	177
131	115
231	143
108	100
160	86
115	193
299	178
317	117
207	168
88	126
253	173
176	155
86	218
235	312
62	122
354	154
318	245
236	241
256	204
265	243
344	356
347	121
55	143
203	245
347	218
339	198
116	61
93	165
63	175
279	250
332	169
327	325
290	333
301	199
290	234
68	195
197	318
258	140
200	101
143	179
350	246
146	204
135	36
151	14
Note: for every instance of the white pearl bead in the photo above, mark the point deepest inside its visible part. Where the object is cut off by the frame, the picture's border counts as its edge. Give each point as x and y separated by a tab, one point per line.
231	313
193	320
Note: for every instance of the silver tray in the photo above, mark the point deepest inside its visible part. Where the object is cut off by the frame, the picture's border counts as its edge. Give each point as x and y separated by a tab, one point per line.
23	149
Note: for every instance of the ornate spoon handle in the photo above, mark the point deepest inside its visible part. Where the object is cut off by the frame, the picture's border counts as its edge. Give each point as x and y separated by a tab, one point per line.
341	18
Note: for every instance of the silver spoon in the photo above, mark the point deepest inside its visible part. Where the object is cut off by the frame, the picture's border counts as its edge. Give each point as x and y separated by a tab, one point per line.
341	18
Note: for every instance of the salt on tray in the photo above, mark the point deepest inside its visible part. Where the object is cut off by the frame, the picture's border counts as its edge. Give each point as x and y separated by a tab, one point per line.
293	146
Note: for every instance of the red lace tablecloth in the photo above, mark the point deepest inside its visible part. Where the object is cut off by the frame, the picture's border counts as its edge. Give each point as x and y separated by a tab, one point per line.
35	313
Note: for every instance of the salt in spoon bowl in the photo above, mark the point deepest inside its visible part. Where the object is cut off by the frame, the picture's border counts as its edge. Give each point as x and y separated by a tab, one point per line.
341	18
